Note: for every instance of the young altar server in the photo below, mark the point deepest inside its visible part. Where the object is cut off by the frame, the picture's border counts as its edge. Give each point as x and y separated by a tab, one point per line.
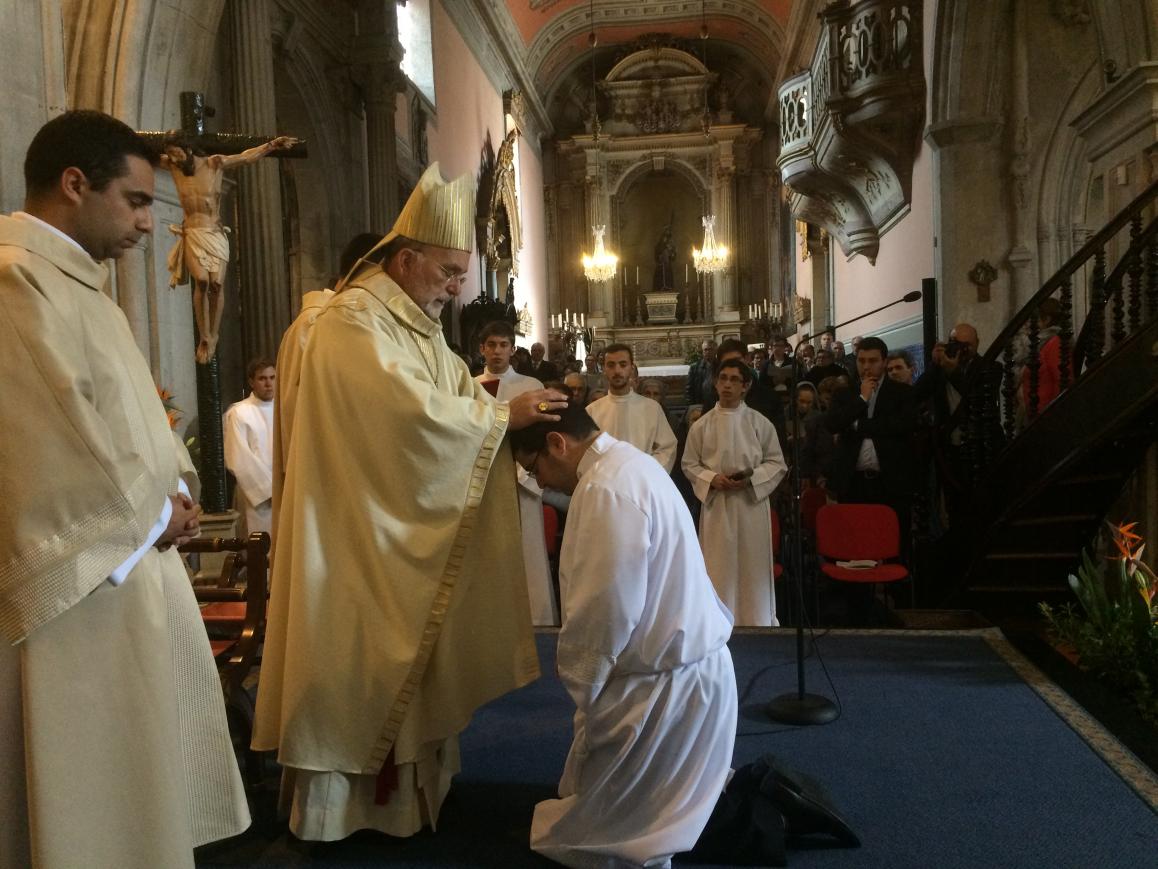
642	652
733	461
626	415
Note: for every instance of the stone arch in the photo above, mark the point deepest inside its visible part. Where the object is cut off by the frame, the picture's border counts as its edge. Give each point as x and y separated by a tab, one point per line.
1063	221
644	165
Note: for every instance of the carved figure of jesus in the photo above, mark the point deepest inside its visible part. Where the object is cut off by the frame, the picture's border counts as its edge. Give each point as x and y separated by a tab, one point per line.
201	253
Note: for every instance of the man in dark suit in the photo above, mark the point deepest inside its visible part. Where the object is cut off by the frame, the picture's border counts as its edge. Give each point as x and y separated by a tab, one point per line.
875	423
826	366
702	377
540	368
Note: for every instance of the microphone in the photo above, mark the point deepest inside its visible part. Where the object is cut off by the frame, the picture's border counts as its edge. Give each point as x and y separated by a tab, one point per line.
911	296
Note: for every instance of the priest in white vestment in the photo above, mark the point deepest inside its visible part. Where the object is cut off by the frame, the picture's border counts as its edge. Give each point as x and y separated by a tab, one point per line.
734	463
248	434
391	551
642	652
499	378
114	747
628	416
289	359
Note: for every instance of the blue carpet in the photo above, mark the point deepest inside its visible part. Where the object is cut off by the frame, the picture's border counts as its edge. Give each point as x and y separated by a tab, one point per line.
942	758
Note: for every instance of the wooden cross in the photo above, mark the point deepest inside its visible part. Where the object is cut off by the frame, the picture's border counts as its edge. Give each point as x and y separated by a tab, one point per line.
192	137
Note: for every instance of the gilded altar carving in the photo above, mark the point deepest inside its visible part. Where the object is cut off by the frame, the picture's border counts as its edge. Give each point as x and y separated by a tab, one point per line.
501	226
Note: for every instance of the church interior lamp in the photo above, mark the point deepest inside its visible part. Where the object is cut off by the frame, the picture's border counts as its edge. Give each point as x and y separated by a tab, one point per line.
713	257
603	264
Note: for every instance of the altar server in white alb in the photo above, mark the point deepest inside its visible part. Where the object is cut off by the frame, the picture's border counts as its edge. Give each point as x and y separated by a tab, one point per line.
248	430
734	462
499	378
642	652
629	416
497	345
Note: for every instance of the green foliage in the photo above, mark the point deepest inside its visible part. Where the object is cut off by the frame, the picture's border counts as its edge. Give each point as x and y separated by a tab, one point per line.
1115	632
694	355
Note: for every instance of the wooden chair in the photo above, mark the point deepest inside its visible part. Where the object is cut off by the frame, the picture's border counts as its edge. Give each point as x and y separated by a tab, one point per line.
234	616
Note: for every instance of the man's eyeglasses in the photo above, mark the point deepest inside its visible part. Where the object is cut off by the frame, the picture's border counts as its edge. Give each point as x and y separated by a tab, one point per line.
533	469
450	274
453	276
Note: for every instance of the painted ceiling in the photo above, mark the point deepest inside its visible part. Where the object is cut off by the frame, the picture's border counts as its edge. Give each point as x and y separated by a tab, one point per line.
745	43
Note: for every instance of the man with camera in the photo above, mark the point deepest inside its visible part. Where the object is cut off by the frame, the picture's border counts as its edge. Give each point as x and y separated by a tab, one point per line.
952	385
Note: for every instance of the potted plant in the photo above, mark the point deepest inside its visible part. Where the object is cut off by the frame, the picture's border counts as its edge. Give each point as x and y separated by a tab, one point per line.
1115	632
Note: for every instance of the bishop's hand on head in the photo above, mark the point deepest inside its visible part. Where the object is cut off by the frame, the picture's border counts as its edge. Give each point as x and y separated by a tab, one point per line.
538	405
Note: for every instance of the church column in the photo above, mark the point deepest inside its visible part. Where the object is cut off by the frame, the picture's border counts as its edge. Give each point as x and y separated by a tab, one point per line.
377	54
260	244
723	206
381	147
1020	256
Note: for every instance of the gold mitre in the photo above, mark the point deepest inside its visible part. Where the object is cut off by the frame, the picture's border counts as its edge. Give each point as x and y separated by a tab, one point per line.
438	212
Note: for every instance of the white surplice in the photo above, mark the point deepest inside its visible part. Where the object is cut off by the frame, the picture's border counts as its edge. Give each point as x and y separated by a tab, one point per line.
638	420
735	527
643	654
248	433
511	383
540	588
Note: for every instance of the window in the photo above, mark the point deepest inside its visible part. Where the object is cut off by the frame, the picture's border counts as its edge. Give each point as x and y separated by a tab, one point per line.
414	34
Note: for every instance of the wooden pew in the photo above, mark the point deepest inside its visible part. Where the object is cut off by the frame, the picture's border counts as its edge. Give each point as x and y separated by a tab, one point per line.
234	615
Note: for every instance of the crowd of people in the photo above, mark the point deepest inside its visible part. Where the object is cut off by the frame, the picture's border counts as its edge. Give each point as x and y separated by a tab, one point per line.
403	486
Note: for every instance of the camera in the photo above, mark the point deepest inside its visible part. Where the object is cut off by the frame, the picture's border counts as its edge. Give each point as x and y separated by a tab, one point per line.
954	348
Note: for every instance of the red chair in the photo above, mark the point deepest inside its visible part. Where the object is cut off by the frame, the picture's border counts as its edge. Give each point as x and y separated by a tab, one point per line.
551	530
777	567
860	532
811	500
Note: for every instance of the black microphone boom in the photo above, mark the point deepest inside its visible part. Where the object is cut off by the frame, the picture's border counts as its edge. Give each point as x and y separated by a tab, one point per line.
910	296
800	707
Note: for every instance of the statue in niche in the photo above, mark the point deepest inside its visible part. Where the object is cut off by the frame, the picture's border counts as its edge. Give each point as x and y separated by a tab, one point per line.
664	277
201	253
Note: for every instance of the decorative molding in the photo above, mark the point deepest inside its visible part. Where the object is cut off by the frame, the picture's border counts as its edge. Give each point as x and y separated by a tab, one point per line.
1128	108
1072	13
492	37
552	42
850	125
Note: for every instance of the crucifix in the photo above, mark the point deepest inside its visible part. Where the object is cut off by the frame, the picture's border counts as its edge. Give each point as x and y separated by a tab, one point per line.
197	161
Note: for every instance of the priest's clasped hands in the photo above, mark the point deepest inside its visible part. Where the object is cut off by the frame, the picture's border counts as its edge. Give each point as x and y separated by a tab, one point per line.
538	405
184	523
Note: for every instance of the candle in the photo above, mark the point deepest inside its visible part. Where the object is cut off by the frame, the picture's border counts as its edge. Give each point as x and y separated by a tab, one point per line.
582	321
637	276
685	273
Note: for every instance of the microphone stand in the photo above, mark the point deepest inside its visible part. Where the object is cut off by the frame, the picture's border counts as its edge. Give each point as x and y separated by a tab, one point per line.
799	707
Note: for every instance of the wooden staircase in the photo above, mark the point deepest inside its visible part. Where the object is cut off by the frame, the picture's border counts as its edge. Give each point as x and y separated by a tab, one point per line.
1042	489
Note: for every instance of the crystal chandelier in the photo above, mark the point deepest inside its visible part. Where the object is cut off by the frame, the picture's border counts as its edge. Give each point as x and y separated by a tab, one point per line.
602	265
713	257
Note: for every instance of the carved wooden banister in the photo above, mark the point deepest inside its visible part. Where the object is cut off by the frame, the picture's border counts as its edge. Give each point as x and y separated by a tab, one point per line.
1097	243
1119	305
